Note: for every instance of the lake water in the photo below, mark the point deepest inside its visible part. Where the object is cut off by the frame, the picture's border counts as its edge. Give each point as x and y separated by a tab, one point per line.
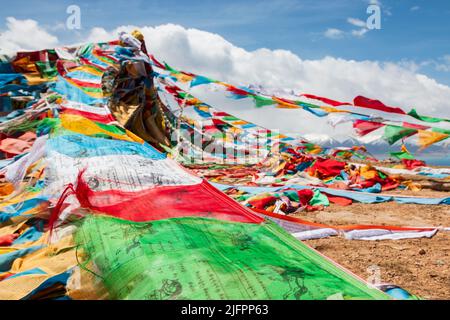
436	160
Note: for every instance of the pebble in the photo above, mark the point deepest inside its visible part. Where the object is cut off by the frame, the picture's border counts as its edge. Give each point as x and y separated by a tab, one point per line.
422	252
440	263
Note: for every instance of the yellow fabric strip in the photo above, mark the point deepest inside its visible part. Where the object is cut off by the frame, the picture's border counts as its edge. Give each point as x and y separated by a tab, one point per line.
85	126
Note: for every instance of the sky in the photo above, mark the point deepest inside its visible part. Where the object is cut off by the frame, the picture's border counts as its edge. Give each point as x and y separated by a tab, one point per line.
414	31
315	46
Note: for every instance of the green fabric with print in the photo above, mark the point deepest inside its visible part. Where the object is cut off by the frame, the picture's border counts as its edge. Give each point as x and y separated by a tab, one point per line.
198	258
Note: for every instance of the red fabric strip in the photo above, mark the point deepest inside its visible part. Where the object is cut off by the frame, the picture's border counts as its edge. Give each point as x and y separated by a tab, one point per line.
7	240
324	168
333	103
262	203
361	101
87	62
412	164
414	126
305	196
165	202
238	91
156	62
103	54
340	201
221	114
85	84
364	127
91	116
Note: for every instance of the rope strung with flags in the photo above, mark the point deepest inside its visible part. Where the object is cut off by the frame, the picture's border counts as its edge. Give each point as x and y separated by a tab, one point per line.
367	115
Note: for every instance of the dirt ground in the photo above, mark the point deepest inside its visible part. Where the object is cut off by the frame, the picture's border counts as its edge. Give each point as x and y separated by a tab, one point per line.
420	266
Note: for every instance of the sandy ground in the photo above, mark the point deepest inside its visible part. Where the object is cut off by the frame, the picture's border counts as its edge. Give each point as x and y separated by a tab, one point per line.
421	266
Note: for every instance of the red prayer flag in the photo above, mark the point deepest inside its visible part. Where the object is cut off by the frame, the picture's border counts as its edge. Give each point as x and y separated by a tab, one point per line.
158	203
414	126
361	101
333	103
238	91
364	127
102	118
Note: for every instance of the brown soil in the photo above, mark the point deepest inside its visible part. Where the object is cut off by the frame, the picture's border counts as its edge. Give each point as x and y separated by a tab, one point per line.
420	266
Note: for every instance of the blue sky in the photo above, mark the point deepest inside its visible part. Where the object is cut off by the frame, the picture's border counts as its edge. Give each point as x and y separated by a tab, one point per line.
411	31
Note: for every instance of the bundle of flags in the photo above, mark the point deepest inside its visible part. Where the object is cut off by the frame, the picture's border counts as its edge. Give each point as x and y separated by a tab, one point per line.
91	211
367	115
228	132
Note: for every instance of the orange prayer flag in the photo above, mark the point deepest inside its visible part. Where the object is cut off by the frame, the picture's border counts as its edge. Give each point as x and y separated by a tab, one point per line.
281	104
332	110
427	138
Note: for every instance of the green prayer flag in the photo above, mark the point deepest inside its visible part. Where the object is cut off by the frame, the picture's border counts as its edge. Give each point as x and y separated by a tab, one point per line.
413	113
444	131
319	199
200	258
86	49
169	68
262	101
111	128
46	70
292	195
394	133
402	155
230	118
360	156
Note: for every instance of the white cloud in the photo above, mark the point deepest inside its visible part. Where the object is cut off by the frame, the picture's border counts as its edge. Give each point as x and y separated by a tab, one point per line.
99	35
333	33
360	32
376	2
443	64
209	54
356	22
362	25
415	8
24	35
60	26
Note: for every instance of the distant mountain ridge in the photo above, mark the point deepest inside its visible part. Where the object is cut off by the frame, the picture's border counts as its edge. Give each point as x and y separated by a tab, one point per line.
376	145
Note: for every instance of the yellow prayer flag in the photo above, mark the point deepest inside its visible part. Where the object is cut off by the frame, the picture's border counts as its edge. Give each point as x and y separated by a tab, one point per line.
331	110
85	126
427	138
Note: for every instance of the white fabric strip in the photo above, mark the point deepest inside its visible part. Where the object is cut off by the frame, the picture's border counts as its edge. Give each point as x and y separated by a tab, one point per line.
115	172
15	172
383	234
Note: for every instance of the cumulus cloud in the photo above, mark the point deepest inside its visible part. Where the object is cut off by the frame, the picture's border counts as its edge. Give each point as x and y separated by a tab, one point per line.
211	55
24	35
443	63
356	22
360	32
362	25
333	33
